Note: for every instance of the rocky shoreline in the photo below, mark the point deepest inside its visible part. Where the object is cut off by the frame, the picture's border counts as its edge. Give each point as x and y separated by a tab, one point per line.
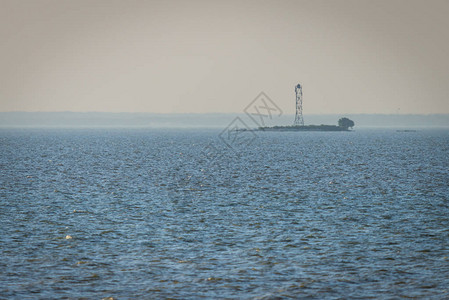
305	128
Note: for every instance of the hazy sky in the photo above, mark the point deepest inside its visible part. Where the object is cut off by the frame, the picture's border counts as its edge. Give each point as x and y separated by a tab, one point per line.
216	56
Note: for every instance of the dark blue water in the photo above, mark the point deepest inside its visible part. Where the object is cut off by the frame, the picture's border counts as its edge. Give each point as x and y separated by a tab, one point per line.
129	214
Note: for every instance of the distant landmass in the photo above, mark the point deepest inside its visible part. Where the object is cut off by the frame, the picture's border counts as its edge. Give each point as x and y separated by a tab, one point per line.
214	120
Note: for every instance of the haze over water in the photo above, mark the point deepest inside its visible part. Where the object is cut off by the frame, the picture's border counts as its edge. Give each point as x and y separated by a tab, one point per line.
148	213
180	213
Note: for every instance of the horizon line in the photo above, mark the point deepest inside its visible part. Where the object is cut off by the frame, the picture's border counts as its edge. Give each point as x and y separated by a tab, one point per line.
217	113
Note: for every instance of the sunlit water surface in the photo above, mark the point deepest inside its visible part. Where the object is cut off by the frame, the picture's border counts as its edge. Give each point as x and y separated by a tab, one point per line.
156	213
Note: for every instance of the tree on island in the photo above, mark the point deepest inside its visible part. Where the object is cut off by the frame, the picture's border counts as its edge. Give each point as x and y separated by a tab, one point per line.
345	123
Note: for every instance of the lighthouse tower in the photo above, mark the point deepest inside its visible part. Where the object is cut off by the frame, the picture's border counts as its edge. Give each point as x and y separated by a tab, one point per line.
299	120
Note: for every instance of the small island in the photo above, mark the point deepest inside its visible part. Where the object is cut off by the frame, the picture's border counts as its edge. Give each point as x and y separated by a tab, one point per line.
343	125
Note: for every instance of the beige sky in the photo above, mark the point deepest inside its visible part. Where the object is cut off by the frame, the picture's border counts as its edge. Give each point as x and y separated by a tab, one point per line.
216	56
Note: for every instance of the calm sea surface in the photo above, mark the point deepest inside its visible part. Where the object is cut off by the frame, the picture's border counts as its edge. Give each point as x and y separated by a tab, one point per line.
141	214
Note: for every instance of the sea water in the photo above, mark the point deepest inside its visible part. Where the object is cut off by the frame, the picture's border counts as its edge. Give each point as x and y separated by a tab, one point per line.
188	214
